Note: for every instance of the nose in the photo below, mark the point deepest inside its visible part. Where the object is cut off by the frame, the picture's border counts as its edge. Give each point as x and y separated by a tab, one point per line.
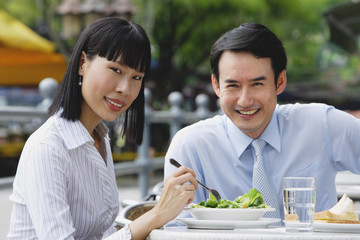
123	85
245	98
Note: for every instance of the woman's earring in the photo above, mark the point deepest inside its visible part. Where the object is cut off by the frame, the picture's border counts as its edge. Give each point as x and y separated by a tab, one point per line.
80	80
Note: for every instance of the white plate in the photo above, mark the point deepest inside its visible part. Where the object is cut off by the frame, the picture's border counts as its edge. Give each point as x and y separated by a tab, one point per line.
336	227
221	224
224	224
238	214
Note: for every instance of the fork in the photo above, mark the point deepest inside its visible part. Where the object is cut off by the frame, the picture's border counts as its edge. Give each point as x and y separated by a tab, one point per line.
213	191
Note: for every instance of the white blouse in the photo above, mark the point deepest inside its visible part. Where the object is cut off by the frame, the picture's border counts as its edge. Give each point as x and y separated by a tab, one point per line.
63	189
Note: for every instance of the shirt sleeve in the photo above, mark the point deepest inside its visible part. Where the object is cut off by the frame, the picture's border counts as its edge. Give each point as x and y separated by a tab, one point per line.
183	149
45	184
344	137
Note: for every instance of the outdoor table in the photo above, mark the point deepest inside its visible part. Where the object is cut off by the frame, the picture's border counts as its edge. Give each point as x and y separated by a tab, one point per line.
183	233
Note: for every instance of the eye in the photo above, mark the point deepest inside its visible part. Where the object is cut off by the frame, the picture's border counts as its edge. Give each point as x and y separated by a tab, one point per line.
137	77
258	84
232	85
116	70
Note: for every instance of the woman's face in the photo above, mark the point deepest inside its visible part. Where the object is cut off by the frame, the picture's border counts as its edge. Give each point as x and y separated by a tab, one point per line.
108	89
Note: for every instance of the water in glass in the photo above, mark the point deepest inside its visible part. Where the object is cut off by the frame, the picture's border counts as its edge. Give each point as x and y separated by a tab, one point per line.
299	207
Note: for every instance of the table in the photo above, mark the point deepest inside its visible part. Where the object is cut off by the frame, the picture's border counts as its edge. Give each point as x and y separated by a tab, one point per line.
182	233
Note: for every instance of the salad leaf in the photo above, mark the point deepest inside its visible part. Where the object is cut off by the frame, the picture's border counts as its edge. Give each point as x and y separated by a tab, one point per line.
251	199
211	196
211	203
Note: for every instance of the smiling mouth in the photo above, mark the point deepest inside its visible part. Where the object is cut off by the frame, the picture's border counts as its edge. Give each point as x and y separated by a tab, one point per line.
113	103
249	112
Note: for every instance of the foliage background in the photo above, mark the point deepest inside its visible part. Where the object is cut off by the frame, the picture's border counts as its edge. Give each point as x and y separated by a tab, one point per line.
183	31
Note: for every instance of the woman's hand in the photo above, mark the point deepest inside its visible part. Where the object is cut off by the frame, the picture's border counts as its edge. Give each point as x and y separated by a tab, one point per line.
178	191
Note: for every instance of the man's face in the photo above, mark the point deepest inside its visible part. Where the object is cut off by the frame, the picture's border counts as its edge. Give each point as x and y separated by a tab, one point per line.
247	90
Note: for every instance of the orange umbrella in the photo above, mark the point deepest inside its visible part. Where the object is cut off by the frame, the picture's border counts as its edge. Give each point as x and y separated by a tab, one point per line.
25	57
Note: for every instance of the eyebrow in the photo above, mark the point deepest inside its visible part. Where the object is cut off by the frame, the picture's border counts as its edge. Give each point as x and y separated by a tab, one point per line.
230	81
120	63
261	78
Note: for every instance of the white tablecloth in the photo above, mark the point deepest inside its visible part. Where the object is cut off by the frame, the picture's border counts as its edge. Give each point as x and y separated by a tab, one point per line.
182	233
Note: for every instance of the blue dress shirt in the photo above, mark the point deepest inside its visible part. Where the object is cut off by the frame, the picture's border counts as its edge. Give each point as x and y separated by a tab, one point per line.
303	140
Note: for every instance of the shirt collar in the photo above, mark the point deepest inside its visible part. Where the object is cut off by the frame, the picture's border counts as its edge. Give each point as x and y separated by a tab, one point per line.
238	139
75	134
241	141
271	135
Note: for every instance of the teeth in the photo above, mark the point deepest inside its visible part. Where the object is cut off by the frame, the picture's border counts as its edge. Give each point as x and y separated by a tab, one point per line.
113	103
248	112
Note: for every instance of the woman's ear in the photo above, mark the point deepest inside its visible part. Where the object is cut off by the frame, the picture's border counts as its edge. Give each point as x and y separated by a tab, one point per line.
215	85
82	62
281	83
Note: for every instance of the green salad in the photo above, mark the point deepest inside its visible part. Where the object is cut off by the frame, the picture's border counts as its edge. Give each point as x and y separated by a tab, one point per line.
251	199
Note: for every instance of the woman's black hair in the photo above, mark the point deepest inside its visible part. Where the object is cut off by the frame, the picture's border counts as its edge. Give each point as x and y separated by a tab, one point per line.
112	38
254	38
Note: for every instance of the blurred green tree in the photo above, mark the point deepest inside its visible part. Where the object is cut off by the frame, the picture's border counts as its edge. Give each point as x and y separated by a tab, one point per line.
183	31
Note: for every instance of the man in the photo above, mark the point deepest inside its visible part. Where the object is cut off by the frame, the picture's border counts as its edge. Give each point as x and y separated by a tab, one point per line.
248	67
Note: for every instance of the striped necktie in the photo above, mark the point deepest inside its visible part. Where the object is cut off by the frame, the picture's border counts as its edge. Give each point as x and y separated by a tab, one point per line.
261	180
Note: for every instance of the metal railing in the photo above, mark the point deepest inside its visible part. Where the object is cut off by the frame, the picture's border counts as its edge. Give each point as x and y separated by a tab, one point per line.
143	164
176	118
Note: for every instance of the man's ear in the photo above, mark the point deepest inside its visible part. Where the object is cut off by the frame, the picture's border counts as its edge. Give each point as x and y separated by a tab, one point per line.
281	83
215	85
82	61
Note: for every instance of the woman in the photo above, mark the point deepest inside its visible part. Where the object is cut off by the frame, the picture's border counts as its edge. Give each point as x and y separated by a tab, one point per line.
65	185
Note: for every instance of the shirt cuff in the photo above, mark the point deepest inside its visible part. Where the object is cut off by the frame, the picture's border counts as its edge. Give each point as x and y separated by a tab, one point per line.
124	234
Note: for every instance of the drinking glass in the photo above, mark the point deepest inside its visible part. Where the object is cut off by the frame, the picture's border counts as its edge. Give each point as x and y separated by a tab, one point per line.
299	203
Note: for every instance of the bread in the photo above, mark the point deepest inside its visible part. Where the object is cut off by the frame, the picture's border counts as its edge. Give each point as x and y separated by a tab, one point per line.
327	216
342	212
291	217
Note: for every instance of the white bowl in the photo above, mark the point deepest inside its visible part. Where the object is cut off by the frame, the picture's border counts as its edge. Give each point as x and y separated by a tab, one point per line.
238	214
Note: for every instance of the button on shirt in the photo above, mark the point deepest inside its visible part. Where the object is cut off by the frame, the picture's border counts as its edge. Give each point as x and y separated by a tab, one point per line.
307	140
63	189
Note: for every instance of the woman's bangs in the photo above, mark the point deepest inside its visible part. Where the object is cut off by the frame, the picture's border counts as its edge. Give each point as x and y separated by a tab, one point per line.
130	48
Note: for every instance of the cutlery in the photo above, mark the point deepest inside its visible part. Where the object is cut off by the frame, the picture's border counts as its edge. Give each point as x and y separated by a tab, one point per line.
213	191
